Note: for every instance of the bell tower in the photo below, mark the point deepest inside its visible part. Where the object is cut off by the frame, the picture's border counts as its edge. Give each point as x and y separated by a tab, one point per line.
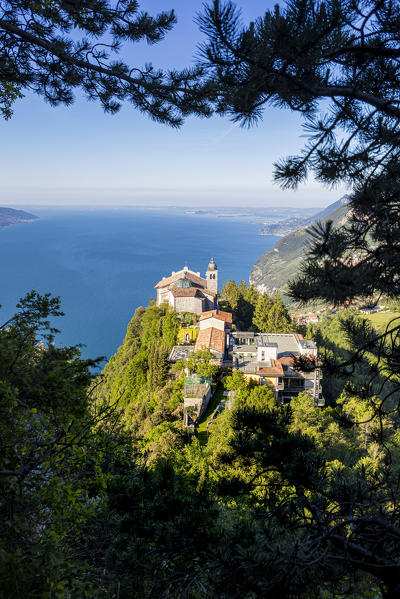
212	276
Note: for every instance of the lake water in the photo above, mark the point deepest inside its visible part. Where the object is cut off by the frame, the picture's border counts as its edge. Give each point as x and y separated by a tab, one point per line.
105	263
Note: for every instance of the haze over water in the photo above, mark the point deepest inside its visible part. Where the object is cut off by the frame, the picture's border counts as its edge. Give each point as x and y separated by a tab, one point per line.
105	263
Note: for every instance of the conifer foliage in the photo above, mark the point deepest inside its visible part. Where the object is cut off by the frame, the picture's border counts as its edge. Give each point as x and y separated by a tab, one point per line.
334	62
337	64
271	316
158	366
54	48
253	310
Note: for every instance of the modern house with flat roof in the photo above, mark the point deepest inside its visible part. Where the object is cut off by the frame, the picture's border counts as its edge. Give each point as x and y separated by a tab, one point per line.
270	359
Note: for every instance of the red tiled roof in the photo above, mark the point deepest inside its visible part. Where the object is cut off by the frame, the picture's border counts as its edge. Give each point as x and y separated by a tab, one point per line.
276	369
211	339
225	316
269	371
189	275
287	360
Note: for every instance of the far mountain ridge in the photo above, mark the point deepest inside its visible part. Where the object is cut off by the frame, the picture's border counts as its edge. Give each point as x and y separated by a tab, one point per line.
9	216
294	223
281	263
343	201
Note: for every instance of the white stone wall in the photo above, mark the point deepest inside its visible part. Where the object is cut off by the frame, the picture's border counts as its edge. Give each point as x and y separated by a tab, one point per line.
188	304
163	296
308	351
264	354
216	323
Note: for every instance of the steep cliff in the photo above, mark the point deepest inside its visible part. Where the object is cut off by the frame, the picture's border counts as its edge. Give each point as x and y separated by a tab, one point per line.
279	264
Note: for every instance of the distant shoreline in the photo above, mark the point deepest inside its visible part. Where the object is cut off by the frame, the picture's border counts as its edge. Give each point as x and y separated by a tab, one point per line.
271	234
10	217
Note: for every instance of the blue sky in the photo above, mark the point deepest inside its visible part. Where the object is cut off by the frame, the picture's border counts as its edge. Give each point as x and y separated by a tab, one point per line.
79	155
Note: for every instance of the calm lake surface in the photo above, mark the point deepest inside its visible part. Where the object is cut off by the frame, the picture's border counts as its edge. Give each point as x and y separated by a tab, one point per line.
105	263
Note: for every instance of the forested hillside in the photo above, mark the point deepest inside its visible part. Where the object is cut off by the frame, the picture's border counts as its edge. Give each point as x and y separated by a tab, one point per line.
103	495
292	224
103	492
136	380
281	263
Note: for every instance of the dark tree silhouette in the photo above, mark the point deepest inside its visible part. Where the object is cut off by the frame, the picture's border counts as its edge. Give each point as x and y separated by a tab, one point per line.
54	47
338	64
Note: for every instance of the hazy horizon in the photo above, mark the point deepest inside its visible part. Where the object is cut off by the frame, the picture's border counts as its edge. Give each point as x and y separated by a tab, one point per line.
78	155
308	197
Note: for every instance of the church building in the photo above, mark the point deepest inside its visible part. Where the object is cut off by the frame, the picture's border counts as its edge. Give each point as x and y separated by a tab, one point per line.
187	291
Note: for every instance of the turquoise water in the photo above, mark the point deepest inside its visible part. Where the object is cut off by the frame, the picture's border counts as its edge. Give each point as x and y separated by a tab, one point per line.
105	263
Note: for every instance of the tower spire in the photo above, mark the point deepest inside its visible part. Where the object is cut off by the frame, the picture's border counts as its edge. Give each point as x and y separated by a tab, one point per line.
212	276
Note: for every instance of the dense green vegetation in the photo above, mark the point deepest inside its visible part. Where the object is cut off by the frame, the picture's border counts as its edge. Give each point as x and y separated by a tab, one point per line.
136	380
255	311
380	320
103	496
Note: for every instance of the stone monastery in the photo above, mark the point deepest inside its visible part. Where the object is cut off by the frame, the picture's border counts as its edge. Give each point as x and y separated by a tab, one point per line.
264	358
186	291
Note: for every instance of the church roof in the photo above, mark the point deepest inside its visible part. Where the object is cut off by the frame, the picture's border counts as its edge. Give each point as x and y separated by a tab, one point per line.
186	292
208	292
193	278
183	283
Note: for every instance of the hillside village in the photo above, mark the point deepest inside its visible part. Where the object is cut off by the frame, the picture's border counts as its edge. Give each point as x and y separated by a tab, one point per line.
264	358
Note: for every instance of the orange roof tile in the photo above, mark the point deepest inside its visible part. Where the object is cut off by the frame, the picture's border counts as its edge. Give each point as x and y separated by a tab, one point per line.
293	361
276	369
225	316
287	360
211	339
